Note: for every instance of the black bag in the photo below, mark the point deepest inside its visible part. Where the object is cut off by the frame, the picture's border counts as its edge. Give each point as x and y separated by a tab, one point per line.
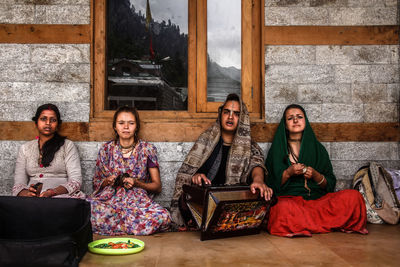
43	231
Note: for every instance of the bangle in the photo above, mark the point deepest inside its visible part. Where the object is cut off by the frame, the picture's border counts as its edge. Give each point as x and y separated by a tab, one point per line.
322	180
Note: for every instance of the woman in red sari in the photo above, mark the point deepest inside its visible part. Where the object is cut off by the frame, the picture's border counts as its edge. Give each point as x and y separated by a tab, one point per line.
301	175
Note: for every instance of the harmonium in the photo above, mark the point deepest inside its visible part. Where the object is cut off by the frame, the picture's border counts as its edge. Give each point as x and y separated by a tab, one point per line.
226	211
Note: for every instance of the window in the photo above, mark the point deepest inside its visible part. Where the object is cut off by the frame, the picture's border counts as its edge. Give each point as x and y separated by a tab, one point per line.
188	98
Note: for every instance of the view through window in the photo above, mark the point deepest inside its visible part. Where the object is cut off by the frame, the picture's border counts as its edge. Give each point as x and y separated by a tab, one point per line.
147	54
223	49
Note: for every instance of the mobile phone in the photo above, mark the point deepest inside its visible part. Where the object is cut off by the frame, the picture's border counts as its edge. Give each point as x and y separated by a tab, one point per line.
38	187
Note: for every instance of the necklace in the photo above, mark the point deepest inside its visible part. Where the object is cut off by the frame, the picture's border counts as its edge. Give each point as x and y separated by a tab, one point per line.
127	151
294	140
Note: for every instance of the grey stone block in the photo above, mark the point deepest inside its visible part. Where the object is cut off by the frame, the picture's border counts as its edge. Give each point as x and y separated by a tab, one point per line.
385	73
334	54
362	151
23	111
9	150
265	148
381	112
376	54
343	183
14	53
287	54
394	50
362	16
30	92
298	74
367	3
280	93
393	92
353	55
274	112
324	93
172	151
51	53
328	3
62	14
88	150
286	3
342	113
47	2
369	93
352	73
88	169
45	73
168	171
296	16
16	14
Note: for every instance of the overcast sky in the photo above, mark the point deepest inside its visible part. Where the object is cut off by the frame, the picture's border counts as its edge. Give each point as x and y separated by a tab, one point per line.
224	22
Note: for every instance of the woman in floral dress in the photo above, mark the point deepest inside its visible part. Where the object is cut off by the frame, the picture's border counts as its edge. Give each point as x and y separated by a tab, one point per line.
126	176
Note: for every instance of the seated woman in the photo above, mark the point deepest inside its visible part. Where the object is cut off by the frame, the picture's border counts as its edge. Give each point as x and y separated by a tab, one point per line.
125	207
51	160
300	173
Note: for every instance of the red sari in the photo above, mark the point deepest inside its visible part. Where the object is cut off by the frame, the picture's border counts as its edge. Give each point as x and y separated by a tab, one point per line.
340	211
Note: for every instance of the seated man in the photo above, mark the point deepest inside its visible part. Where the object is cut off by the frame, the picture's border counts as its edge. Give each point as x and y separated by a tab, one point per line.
223	155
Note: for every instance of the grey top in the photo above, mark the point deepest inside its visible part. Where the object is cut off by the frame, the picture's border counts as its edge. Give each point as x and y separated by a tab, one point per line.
65	169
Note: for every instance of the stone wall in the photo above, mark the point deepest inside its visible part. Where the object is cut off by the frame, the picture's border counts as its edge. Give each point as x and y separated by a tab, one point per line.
334	83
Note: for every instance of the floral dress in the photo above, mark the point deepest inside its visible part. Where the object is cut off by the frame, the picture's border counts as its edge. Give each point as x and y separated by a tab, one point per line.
118	211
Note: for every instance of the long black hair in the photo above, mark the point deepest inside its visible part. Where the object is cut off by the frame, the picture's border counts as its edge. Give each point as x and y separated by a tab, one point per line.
52	145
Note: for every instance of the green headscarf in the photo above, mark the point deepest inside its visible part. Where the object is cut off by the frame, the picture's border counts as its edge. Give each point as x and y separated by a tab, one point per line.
312	153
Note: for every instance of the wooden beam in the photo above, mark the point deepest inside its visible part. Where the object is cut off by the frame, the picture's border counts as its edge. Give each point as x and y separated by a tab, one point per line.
26	130
44	33
189	131
331	35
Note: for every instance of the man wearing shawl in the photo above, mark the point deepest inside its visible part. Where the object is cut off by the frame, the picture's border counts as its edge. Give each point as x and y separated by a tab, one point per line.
301	175
223	155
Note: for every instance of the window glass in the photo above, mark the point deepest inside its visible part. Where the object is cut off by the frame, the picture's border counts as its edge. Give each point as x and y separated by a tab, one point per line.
147	43
223	49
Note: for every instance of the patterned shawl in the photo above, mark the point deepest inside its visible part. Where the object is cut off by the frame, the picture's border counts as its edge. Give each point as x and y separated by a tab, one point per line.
243	156
312	153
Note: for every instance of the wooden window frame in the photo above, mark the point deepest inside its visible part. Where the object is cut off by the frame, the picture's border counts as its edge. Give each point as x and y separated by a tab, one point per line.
198	107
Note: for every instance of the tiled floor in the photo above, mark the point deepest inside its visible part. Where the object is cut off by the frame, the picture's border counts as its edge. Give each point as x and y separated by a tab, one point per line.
381	247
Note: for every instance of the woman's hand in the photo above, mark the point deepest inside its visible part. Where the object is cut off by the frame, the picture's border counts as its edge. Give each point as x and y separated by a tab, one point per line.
109	180
310	173
198	177
129	182
30	192
296	169
48	193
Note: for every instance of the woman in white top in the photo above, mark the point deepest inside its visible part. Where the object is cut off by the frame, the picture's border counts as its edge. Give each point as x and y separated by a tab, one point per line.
51	162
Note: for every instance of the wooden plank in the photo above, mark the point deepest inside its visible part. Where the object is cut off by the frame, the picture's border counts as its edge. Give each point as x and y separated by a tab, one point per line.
338	132
44	33
201	35
331	35
99	51
26	130
165	131
247	54
192	53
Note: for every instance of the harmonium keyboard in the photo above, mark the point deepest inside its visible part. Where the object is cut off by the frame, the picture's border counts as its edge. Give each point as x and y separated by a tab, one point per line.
226	211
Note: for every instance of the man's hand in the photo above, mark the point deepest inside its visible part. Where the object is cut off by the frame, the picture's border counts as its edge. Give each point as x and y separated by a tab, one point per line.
265	191
198	177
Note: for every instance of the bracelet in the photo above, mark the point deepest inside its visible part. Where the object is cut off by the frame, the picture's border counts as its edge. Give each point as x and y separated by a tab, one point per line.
322	180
